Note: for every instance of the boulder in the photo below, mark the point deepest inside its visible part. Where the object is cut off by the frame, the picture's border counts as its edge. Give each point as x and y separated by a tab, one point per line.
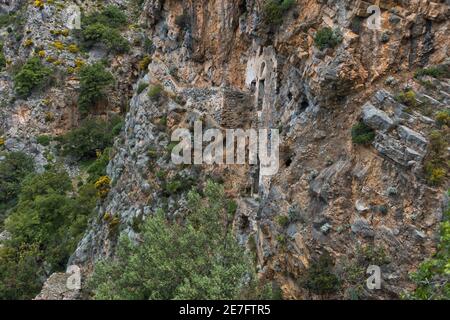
412	138
375	118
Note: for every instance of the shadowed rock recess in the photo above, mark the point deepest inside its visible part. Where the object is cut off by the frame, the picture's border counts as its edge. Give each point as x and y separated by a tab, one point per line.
86	117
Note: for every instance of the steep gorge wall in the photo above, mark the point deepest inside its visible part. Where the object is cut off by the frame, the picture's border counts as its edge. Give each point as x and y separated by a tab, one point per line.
337	197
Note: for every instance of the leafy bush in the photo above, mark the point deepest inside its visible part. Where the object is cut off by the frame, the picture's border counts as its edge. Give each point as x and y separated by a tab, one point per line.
45	228
198	259
6	19
327	38
103	185
94	80
32	75
2	58
102	27
43	140
432	275
283	221
443	118
273	10
436	166
141	87
155	92
110	16
98	168
90	137
13	169
437	72
143	64
408	98
111	38
320	278
362	134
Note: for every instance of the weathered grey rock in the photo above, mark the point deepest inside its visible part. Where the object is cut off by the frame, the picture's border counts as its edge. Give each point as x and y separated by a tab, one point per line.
362	228
412	138
397	151
375	118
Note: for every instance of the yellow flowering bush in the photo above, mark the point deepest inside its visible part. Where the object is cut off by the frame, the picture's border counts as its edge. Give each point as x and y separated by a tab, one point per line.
39	4
79	63
103	185
58	45
73	48
143	64
28	43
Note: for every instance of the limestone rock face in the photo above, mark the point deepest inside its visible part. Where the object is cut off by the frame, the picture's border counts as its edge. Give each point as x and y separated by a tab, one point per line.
221	62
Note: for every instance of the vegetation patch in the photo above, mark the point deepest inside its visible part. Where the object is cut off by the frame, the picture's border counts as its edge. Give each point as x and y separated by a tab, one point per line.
13	169
94	80
198	259
45	227
83	143
274	10
436	166
104	27
320	278
32	75
327	38
437	72
362	134
155	92
431	278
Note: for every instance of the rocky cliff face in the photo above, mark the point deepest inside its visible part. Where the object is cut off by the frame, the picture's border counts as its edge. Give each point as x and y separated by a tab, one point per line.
223	63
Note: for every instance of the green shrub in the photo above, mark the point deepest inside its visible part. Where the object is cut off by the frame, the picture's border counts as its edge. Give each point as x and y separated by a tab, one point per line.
110	16
94	80
45	227
100	33
198	259
320	278
437	72
141	87
362	134
32	75
155	92
443	118
118	127
407	98
2	58
173	187
273	10
98	168
90	137
13	169
283	221
44	140
327	38
6	20
431	278
103	27
148	45
436	165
